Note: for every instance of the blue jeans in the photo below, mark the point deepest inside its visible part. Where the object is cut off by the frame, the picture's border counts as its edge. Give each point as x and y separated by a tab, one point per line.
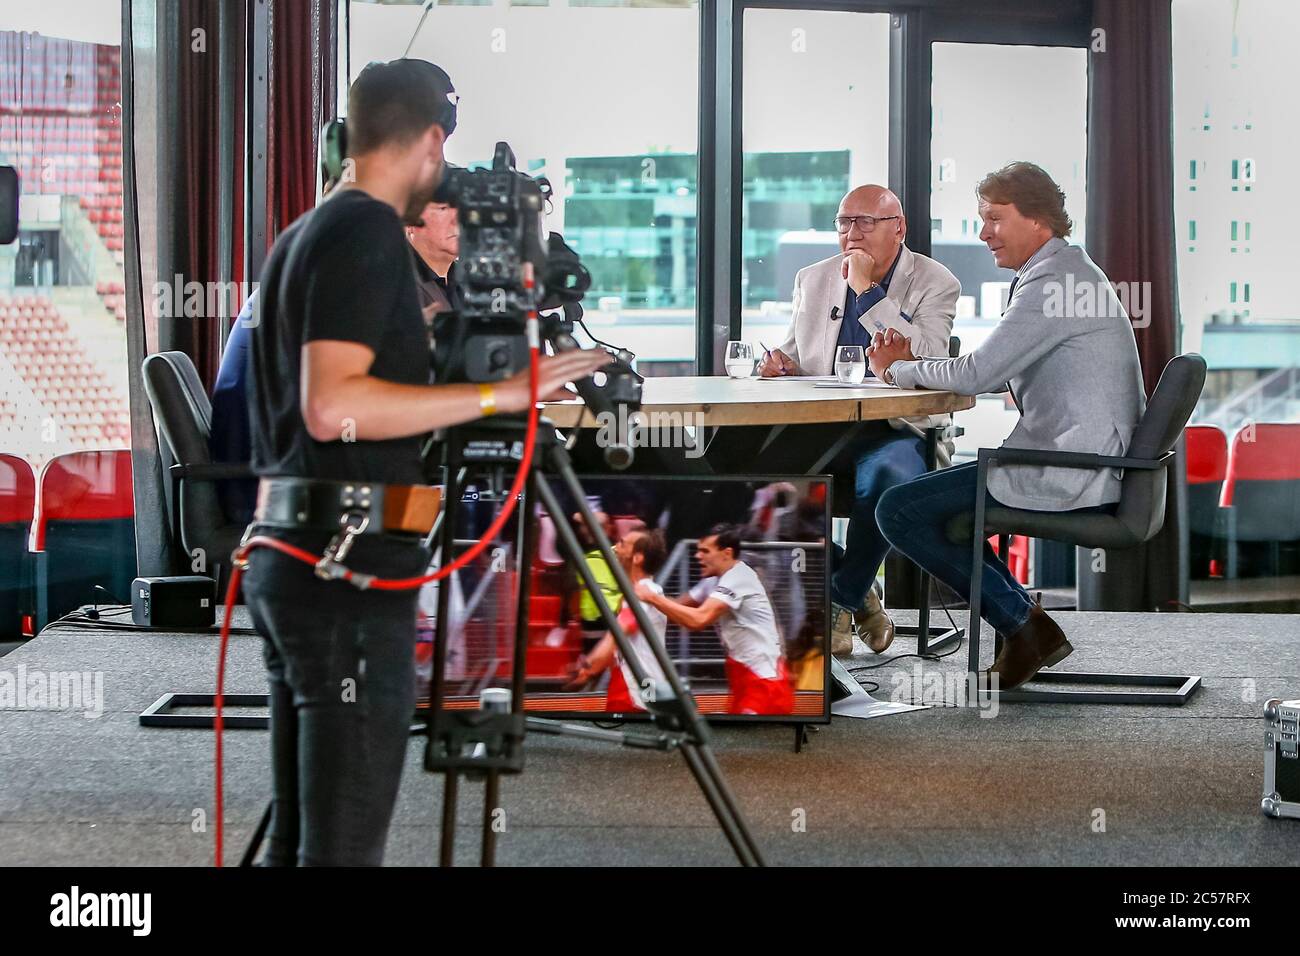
915	517
880	462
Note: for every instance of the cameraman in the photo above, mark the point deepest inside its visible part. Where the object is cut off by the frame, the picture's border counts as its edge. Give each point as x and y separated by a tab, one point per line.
340	367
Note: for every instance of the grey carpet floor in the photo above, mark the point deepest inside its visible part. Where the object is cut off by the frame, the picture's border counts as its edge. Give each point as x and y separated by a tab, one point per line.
1033	784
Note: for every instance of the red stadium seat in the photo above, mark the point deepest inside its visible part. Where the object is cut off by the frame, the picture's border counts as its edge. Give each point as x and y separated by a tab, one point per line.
1261	493
17	505
84	530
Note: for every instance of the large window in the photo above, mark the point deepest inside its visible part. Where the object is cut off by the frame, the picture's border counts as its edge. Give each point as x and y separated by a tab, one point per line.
601	97
1236	201
63	376
815	124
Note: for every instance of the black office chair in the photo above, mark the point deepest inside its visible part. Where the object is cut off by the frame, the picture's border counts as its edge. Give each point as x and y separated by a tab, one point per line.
184	418
1139	516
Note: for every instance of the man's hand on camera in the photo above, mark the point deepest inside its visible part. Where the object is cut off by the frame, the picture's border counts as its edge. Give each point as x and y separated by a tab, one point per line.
554	372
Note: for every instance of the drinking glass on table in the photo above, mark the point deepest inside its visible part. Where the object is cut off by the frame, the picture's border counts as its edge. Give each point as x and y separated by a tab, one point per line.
740	359
850	364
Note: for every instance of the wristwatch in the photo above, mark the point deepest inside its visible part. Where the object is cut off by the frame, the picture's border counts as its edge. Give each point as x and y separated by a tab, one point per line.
888	376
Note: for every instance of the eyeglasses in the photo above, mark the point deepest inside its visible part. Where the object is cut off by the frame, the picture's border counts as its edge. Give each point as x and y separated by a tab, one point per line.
865	223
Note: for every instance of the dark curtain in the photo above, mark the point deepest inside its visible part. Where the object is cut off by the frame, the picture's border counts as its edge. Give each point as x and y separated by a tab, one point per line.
197	175
301	51
1131	237
303	84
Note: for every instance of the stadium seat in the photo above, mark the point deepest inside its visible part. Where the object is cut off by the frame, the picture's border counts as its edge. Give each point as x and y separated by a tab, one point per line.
84	531
1207	466
1261	495
17	505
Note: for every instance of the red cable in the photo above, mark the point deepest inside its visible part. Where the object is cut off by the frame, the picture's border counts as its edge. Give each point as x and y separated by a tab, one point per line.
379	584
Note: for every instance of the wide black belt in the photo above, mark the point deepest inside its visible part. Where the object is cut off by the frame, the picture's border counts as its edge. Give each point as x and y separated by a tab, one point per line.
366	507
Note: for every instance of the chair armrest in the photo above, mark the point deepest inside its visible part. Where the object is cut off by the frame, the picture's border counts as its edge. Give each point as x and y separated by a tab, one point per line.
1068	459
214	471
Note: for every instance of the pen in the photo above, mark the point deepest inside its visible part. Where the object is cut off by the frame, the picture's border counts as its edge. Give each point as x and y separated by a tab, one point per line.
767	353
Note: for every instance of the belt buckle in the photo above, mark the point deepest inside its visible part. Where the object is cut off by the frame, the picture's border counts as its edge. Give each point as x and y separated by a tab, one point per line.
353	522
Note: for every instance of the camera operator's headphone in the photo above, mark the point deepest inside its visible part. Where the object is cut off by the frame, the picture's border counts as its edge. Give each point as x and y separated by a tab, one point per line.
333	149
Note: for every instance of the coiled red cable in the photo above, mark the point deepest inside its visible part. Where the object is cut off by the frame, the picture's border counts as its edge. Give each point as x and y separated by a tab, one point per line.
379	584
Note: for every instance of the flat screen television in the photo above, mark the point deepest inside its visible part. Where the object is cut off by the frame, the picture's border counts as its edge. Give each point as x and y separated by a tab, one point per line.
762	656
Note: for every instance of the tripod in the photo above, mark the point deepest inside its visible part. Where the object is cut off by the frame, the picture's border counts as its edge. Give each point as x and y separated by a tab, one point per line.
489	742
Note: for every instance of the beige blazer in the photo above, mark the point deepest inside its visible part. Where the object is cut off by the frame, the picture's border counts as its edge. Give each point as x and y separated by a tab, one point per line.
922	289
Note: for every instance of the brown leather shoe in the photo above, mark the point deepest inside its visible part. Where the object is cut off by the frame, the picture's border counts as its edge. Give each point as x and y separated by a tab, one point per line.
1037	644
874	624
841	631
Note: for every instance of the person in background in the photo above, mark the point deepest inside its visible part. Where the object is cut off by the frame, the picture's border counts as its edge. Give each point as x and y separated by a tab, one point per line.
229	440
593	625
875	284
732	596
436	241
1074	373
641	553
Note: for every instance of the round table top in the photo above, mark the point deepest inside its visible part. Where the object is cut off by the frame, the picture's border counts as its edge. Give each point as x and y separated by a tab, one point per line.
717	400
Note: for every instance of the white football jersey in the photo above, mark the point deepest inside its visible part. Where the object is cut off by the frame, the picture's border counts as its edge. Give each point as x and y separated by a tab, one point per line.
748	628
641	647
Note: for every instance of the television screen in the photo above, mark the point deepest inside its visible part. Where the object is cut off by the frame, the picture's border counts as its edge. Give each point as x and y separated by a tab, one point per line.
733	573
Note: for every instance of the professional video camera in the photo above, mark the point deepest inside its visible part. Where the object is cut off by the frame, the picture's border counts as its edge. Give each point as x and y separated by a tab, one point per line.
508	267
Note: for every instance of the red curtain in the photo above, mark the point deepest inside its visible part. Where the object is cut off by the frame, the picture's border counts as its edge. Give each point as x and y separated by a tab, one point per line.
303	69
301	51
198	252
1131	164
1131	235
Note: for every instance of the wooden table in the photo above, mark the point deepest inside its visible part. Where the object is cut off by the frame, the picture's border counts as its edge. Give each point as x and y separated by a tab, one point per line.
722	401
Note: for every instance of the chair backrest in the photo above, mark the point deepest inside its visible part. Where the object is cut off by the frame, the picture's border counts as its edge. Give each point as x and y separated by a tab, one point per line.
180	406
1263	482
17	490
85	524
1207	466
1142	494
17	506
183	415
1207	454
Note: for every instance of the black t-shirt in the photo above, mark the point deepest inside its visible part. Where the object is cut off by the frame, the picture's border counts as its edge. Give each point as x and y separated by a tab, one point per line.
341	272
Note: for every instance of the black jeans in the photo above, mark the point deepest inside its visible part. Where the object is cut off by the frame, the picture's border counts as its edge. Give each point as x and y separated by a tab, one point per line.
341	666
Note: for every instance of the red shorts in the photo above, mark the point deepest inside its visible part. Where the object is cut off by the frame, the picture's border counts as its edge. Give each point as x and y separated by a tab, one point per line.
751	694
617	698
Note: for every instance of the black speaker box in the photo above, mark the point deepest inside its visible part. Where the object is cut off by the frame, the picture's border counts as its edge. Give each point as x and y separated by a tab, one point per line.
184	601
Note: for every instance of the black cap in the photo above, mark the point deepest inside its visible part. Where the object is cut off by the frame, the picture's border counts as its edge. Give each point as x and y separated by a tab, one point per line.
398	99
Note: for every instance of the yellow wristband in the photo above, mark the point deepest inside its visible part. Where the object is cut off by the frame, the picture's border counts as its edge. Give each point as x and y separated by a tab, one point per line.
487	399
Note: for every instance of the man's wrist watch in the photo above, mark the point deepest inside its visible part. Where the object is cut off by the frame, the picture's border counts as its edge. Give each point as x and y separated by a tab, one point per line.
487	399
888	377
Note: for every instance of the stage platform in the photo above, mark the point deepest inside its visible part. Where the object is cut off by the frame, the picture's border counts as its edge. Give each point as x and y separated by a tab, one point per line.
1035	784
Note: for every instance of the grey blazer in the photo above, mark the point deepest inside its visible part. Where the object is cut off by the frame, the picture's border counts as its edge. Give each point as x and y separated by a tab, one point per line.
922	288
1065	347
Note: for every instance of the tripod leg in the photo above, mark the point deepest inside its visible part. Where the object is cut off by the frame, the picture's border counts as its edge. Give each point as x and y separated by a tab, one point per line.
695	745
491	798
447	845
250	853
714	788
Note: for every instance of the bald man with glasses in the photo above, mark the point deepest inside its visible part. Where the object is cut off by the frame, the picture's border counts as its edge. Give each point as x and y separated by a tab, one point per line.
875	283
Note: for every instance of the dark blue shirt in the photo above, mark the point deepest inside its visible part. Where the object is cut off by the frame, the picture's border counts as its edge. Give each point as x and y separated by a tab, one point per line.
856	306
229	439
